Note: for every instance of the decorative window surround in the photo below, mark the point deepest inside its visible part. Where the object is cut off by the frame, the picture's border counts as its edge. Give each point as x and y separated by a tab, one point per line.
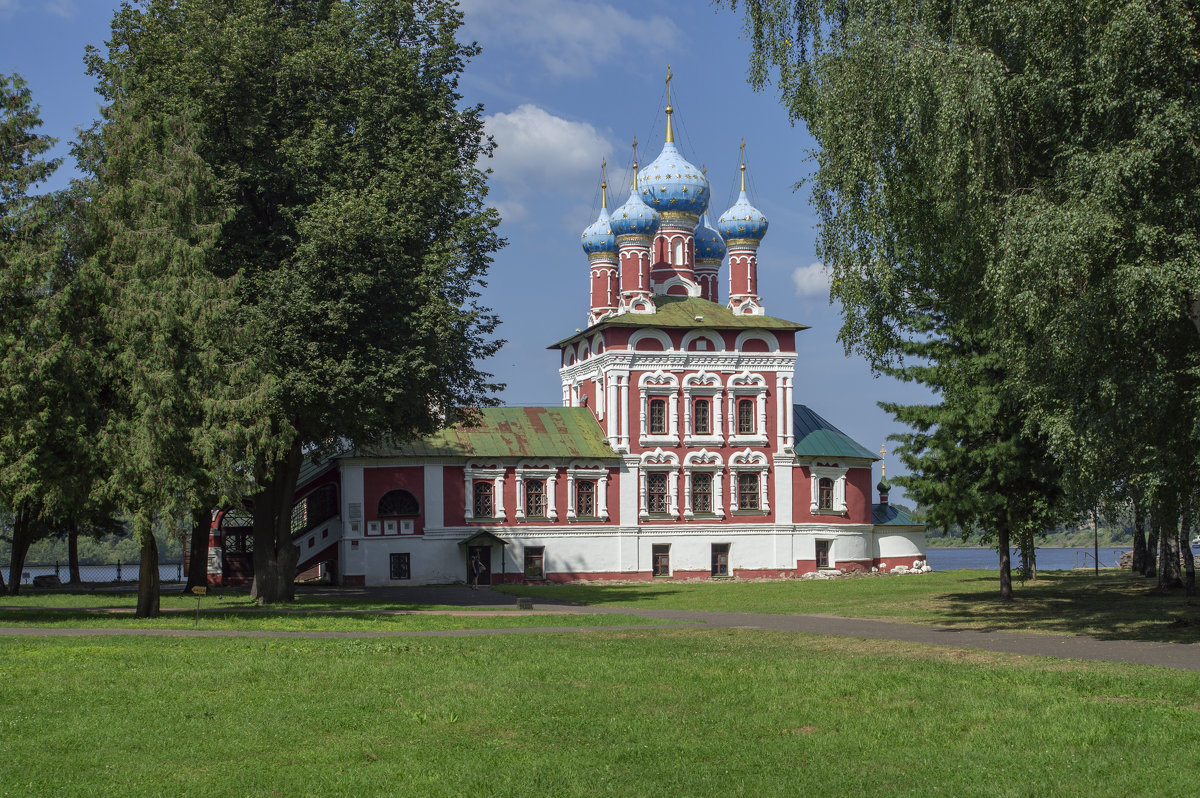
661	462
549	473
749	460
836	472
702	384
659	384
741	386
706	461
493	473
597	472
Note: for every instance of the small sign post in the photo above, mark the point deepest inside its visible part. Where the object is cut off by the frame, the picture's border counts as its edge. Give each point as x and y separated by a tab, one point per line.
199	591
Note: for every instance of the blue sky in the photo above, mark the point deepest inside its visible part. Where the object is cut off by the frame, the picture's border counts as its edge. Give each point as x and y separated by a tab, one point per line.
565	84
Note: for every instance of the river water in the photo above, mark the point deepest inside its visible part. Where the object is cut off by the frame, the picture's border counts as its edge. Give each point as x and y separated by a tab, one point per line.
1048	559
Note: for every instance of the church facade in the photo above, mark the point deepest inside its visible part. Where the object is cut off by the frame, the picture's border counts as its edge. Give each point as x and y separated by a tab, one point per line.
679	450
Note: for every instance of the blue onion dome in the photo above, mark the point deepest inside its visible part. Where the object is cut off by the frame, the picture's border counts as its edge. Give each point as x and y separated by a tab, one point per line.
634	217
598	238
709	244
672	185
743	221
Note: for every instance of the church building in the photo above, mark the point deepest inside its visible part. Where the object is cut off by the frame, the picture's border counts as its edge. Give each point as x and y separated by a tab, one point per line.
679	451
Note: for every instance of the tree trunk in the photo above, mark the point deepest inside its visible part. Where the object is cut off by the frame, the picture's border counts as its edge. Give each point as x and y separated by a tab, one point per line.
1188	523
22	536
73	554
275	556
1139	539
1002	541
148	577
1168	554
1151	570
197	575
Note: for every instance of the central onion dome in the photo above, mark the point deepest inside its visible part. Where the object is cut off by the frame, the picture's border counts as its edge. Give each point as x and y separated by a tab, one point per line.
634	217
598	238
709	244
742	222
672	185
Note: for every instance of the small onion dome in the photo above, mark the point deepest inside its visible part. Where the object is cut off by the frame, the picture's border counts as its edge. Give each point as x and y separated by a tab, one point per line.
709	244
671	184
598	238
634	217
742	221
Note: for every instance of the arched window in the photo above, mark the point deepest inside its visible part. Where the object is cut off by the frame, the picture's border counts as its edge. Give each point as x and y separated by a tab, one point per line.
483	506
825	494
745	417
535	498
677	258
398	504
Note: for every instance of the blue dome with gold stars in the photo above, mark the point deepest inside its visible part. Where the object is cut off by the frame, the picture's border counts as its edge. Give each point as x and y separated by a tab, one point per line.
670	183
742	221
634	217
709	244
598	238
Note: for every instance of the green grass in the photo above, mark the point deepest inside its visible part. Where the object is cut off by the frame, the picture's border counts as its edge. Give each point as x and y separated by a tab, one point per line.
270	621
126	598
1113	605
679	712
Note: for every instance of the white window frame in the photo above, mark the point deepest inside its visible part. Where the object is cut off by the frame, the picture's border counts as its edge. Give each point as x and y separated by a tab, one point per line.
749	460
742	386
536	470
835	471
660	462
659	385
708	462
597	472
495	475
703	385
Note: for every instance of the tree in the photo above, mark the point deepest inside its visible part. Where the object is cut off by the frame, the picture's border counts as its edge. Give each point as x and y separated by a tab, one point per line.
1028	170
185	422
356	221
51	398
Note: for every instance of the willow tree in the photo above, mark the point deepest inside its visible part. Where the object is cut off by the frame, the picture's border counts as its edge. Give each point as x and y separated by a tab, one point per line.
336	142
1030	170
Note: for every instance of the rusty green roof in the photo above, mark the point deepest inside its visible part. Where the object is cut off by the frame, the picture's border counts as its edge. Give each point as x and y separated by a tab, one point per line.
510	432
682	311
816	437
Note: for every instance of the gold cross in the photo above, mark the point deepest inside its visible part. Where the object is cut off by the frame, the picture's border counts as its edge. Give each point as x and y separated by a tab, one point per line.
883	465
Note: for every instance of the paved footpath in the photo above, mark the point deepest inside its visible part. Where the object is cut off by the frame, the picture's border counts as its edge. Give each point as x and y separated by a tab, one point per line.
484	601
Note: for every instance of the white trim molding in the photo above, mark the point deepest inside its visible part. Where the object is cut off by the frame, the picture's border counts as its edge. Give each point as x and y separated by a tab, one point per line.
588	470
743	461
536	470
659	462
835	471
741	386
706	462
491	472
658	385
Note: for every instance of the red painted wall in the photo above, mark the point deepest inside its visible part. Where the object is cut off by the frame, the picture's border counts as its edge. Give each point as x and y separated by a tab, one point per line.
378	481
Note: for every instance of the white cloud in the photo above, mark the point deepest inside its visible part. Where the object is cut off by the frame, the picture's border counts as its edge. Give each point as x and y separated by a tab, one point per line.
572	38
8	8
61	8
811	280
536	149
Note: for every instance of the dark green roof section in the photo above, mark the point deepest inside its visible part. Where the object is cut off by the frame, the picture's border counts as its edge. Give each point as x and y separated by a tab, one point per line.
816	437
681	311
892	515
510	432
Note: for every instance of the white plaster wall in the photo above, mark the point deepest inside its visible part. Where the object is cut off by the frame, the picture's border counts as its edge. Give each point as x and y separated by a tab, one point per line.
904	542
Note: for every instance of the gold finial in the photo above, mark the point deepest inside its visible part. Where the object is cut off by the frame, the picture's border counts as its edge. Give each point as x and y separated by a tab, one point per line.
742	147
883	464
670	110
603	183
635	163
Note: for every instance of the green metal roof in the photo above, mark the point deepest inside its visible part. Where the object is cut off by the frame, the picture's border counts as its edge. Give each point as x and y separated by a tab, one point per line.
682	311
892	515
816	437
510	432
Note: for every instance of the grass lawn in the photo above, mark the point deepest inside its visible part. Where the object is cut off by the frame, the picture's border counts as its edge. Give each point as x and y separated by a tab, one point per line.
677	712
1113	605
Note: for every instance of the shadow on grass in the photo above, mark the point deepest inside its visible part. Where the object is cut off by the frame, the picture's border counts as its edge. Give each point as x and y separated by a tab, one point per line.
1114	605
